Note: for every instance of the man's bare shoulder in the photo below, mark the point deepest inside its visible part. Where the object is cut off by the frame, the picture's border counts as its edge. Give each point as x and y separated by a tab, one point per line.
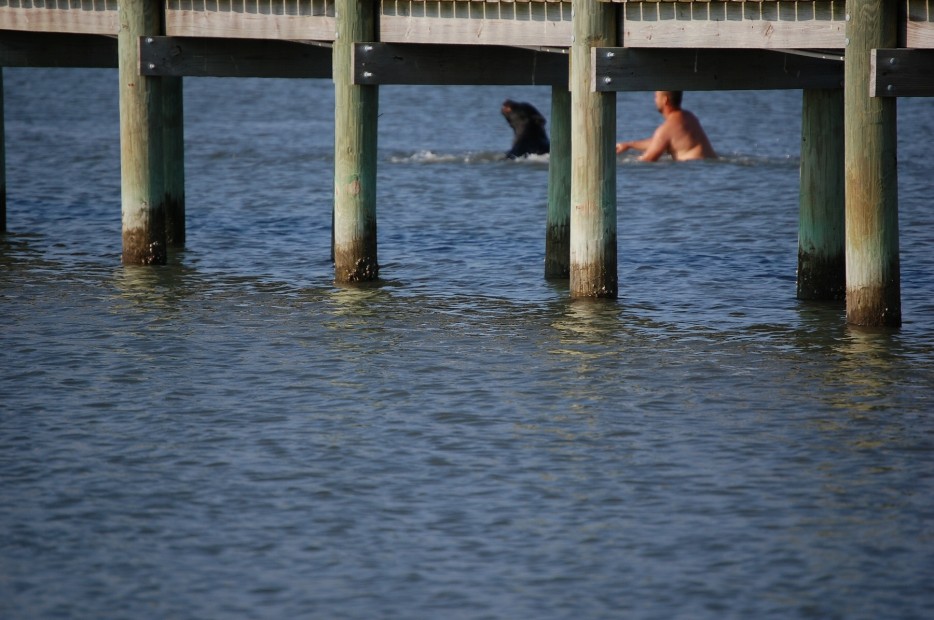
666	128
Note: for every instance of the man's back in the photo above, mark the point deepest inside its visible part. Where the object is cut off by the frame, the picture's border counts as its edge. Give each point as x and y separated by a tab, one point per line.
685	137
680	134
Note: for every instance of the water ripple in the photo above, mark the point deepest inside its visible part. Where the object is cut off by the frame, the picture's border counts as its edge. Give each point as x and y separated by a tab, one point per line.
232	435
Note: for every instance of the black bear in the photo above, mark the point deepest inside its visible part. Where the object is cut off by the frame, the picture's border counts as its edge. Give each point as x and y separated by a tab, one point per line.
528	124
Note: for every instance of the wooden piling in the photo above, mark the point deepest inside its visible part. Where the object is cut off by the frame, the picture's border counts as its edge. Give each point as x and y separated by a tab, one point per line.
173	136
558	219
355	127
873	289
593	158
141	152
2	160
821	256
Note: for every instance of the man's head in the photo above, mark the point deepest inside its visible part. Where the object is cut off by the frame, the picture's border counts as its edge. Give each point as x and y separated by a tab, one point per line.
668	98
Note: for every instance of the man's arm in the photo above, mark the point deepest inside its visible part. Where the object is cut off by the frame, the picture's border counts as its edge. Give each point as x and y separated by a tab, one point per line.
639	145
658	145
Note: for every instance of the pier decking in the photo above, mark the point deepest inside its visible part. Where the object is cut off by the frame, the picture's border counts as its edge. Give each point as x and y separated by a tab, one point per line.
851	59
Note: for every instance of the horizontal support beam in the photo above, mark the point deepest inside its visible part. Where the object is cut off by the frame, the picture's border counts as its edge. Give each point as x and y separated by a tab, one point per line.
282	20
901	73
212	57
52	49
414	63
521	24
626	69
717	24
72	17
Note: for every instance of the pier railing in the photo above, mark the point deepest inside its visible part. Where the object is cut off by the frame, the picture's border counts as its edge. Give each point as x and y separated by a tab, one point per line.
761	24
851	58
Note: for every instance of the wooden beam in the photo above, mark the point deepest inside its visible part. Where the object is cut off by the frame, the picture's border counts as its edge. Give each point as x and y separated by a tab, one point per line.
821	241
50	49
901	73
476	23
142	176
593	240
741	25
356	110
627	69
173	149
252	19
410	63
558	214
183	56
2	159
73	16
873	271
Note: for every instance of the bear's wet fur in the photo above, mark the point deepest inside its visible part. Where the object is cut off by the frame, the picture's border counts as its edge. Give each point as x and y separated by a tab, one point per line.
528	125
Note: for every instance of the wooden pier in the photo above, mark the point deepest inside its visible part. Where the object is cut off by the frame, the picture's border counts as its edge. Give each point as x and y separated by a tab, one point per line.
851	59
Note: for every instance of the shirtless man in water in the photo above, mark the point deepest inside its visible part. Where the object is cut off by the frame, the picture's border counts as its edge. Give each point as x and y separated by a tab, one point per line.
680	135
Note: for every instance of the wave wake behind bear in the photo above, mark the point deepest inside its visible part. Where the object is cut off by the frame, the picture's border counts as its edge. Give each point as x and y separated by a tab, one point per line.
469	158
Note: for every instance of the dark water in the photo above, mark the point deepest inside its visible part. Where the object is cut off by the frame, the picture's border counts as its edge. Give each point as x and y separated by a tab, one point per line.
232	436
